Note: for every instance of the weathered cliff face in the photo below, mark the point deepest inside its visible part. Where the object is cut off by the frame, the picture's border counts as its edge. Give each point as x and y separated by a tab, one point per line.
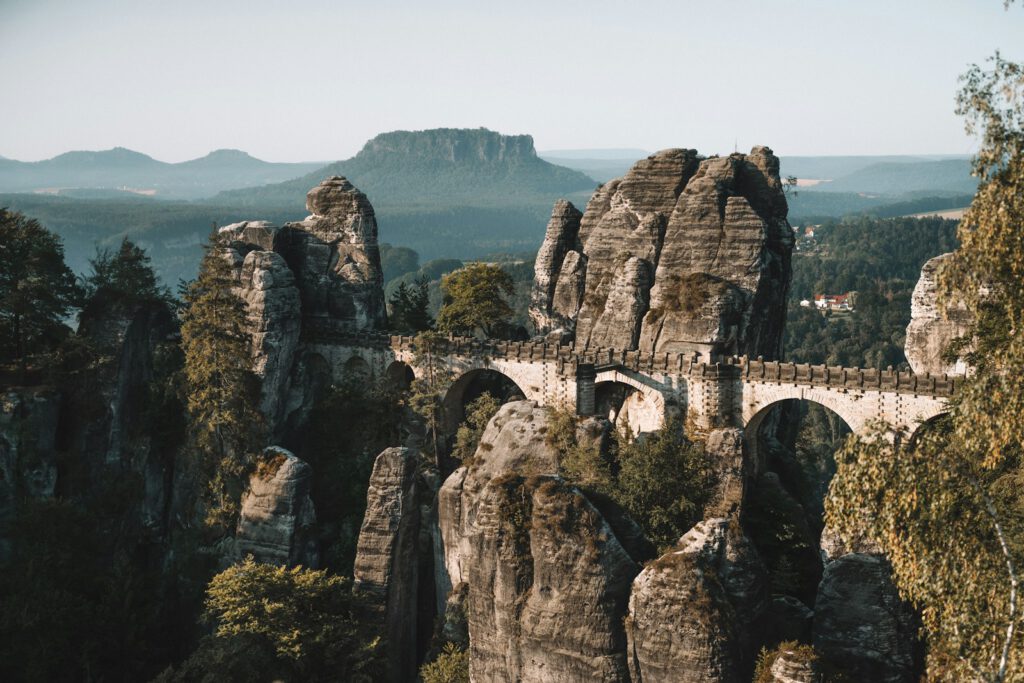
336	260
394	565
680	254
277	520
322	274
691	610
861	624
931	330
547	579
28	454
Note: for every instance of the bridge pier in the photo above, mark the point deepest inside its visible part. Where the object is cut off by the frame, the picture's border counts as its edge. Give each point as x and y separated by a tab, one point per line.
586	403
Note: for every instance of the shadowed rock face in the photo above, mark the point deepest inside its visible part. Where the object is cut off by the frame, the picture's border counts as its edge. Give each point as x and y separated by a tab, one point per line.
680	254
394	557
931	330
547	579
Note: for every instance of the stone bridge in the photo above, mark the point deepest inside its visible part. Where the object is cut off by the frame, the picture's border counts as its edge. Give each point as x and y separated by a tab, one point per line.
643	389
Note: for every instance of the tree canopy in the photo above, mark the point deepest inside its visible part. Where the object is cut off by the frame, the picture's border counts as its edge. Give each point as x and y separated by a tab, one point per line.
37	289
948	508
475	301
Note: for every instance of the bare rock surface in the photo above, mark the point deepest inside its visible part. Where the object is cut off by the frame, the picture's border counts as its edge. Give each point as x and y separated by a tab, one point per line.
268	288
393	552
277	519
690	610
931	329
790	668
861	624
547	579
560	239
680	254
336	259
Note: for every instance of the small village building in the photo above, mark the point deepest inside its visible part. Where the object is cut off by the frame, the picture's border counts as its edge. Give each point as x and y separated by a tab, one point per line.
833	302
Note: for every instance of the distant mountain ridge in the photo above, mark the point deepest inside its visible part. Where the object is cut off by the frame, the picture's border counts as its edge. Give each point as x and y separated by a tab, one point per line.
443	166
119	167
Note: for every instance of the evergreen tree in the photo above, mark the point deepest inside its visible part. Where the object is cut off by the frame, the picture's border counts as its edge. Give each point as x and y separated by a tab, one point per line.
37	289
426	394
126	275
475	301
222	391
410	307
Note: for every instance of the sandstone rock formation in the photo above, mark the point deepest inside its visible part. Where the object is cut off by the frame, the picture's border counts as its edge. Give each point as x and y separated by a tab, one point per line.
860	623
547	579
394	558
690	611
28	454
680	254
559	263
789	667
931	329
277	519
320	275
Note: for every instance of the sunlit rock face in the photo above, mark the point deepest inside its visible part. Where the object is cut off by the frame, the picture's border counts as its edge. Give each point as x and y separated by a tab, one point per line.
931	329
277	522
546	575
682	253
319	275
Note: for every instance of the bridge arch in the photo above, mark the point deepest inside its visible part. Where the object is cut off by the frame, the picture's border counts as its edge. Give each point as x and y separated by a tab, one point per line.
399	375
626	399
357	369
471	385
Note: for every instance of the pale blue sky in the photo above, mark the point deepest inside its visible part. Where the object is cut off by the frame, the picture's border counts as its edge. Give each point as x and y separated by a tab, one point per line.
312	80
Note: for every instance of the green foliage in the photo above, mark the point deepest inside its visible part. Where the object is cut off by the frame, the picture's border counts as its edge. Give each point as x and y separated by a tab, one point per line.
409	308
397	261
581	463
221	390
478	414
278	623
664	481
451	666
351	423
78	604
37	290
474	301
949	508
124	276
861	255
426	394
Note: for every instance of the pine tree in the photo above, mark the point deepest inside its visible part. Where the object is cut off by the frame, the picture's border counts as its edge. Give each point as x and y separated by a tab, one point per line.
426	394
410	307
222	391
37	289
126	275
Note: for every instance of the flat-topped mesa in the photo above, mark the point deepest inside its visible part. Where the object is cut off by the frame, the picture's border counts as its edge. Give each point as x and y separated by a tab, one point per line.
681	254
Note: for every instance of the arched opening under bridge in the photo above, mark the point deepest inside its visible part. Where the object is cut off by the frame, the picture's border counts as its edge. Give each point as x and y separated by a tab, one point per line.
789	447
356	369
471	386
399	376
628	407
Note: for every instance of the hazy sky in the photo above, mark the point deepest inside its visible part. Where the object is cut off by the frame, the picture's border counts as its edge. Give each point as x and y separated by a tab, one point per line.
312	80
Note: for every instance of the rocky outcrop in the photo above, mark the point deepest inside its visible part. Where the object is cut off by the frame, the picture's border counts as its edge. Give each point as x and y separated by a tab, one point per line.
320	275
860	624
336	260
271	297
277	519
28	453
691	610
547	578
559	261
680	254
932	329
790	667
394	557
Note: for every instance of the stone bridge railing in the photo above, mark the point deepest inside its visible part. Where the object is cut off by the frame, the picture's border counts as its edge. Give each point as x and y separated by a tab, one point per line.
569	359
